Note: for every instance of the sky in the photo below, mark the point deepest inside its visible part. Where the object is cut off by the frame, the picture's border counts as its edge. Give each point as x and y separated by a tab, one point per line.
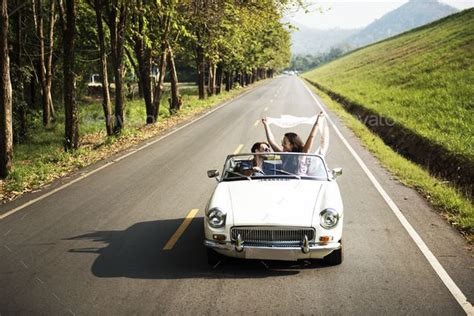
348	14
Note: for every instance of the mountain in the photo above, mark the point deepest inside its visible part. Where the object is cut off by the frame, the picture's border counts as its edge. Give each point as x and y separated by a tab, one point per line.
311	41
410	15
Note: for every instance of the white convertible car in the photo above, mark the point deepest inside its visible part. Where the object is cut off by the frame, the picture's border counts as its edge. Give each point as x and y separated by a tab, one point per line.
289	208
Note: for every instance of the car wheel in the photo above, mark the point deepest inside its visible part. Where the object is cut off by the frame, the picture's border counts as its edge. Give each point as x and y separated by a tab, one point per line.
336	257
213	257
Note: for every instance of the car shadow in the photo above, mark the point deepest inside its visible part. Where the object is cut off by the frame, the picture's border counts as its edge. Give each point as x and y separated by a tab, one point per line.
137	252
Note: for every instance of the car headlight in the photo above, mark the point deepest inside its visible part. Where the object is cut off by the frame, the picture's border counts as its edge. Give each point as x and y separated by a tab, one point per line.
216	218
329	218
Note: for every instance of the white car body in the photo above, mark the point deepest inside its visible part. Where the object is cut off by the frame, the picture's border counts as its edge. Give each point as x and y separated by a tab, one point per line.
276	218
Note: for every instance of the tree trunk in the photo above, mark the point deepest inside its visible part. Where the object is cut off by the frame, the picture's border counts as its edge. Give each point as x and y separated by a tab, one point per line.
16	59
175	104
32	92
200	67
45	58
71	121
143	56
219	79
159	85
211	86
49	65
117	41
6	133
106	104
228	76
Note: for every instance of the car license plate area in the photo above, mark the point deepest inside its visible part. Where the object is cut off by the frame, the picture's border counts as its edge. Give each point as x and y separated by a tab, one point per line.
271	254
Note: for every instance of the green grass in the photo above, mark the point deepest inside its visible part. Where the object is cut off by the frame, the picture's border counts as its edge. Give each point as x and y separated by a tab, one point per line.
41	158
423	80
455	207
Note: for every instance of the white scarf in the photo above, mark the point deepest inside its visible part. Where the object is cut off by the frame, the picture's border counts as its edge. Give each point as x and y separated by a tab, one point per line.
288	121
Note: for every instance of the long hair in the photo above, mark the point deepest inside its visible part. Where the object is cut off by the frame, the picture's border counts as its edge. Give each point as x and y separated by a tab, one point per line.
295	142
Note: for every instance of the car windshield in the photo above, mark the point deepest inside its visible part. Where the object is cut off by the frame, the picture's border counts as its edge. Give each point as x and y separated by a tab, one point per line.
274	165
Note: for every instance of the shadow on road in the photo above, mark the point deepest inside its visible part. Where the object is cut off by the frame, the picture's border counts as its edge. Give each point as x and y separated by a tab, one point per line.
137	252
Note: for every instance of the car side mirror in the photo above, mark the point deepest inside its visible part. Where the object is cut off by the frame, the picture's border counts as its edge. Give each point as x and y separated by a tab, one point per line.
212	173
336	172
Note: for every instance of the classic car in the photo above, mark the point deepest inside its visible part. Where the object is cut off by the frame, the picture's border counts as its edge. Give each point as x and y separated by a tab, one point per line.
288	208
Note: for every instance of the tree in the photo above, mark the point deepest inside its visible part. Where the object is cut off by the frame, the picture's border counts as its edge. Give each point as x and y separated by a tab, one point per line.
175	100
169	15
6	134
19	70
142	31
71	122
116	16
45	56
106	103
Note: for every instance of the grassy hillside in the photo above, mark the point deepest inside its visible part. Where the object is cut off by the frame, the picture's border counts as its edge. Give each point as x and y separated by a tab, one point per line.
423	80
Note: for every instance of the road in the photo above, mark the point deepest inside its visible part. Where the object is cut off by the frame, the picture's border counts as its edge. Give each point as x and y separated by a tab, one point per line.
96	246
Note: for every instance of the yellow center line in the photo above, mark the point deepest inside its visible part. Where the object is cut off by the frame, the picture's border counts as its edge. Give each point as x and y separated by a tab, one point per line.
170	244
238	149
256	122
266	109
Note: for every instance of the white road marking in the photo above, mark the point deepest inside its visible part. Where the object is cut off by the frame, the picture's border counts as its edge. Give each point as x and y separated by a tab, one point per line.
87	174
256	122
56	297
443	275
266	109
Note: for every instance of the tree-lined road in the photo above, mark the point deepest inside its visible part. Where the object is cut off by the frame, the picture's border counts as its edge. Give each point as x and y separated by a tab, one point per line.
96	247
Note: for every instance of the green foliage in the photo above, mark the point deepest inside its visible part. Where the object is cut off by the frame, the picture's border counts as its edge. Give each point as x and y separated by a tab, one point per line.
307	62
42	159
458	209
239	35
421	79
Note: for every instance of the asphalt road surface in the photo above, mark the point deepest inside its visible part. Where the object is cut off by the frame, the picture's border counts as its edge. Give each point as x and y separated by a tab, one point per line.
96	246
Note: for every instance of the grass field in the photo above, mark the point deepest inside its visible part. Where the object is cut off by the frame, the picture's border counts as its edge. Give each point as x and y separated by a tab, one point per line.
423	79
41	158
454	206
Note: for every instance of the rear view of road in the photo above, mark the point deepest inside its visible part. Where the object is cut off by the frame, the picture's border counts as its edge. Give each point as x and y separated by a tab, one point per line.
114	242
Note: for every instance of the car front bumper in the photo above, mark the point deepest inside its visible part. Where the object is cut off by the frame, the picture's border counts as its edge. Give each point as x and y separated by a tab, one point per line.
274	252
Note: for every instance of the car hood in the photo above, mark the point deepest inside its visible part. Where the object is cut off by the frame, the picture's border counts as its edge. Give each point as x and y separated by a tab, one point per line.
274	201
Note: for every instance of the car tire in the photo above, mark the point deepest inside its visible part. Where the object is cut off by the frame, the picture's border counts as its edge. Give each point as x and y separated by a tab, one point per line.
213	257
336	257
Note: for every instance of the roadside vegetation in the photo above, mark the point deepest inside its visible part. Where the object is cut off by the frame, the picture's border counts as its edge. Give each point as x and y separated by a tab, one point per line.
43	159
421	79
422	82
454	205
67	66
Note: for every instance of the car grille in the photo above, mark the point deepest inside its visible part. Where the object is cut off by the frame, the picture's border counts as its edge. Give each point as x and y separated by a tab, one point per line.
272	235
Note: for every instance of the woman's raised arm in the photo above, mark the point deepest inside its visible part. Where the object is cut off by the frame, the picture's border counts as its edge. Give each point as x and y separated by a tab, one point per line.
310	140
270	138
